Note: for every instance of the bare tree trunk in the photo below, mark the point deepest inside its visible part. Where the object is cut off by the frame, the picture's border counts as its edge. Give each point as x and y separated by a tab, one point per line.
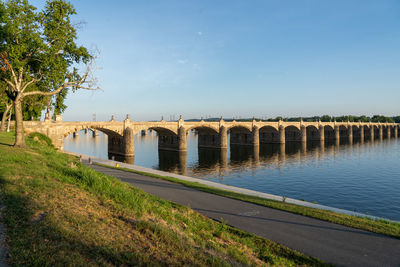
9	121
4	118
19	124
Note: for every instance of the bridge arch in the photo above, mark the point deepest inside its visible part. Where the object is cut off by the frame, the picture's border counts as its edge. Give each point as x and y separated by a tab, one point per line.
240	135
343	131
329	132
292	133
269	135
207	136
160	130
313	133
203	128
167	138
106	131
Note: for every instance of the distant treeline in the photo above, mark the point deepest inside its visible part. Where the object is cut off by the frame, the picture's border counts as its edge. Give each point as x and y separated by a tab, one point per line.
324	118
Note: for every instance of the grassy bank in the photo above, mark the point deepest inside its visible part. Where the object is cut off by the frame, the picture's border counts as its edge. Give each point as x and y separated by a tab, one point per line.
377	226
59	212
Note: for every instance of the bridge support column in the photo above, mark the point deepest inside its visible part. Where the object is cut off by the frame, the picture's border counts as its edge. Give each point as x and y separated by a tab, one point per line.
129	147
256	136
256	155
303	133
182	162
362	133
337	132
282	138
321	133
86	130
372	133
396	129
224	159
182	139
380	132
223	137
388	129
95	133
350	132
75	134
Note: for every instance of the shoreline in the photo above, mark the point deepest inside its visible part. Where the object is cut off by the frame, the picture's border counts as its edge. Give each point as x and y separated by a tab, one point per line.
238	190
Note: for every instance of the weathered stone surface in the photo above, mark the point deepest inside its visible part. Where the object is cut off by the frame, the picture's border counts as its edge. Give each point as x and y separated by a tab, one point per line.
172	135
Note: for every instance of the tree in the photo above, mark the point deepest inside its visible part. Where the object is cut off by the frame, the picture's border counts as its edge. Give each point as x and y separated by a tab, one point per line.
39	55
5	106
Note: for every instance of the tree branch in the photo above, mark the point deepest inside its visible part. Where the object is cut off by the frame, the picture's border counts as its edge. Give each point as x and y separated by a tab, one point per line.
29	83
21	69
10	83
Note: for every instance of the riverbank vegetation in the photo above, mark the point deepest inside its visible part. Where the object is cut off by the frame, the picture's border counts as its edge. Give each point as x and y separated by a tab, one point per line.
59	212
379	226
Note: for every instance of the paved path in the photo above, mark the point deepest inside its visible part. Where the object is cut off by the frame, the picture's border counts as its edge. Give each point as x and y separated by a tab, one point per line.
3	248
336	244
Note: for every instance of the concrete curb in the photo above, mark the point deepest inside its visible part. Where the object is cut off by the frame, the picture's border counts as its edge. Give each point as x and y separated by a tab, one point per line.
239	190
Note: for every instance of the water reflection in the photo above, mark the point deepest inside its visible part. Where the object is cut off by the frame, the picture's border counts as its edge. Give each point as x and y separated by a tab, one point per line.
172	161
218	162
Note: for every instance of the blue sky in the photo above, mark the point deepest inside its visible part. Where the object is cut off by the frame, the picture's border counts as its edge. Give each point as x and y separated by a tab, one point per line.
239	58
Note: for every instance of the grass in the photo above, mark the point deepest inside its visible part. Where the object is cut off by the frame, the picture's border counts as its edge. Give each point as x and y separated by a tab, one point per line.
59	212
379	226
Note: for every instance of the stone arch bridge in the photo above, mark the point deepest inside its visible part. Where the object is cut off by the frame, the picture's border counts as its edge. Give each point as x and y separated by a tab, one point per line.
172	135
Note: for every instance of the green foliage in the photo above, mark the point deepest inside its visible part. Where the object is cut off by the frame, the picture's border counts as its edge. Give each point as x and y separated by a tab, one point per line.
40	46
43	139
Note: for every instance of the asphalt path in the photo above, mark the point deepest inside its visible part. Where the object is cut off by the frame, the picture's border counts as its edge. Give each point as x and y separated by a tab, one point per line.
332	243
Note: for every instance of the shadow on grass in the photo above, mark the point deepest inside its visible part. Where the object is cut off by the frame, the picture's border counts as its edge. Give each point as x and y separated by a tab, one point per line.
43	243
5	144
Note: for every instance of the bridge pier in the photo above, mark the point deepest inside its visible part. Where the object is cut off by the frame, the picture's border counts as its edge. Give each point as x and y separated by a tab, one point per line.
95	133
303	133
388	129
321	133
350	133
282	137
223	137
256	136
75	134
337	132
396	129
182	139
380	132
372	133
129	146
362	133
